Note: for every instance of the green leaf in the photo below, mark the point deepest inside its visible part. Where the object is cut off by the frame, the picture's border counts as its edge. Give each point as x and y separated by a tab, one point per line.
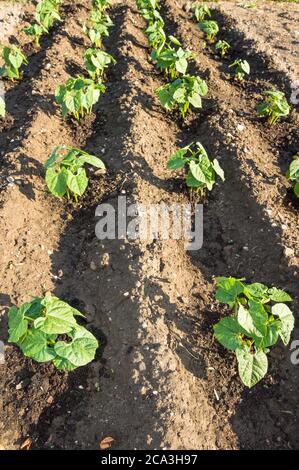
245	320
193	182
252	366
56	182
174	40
59	316
78	182
296	189
91	160
218	170
228	332
16	323
35	346
195	99
80	351
228	290
270	337
287	321
63	364
181	65
165	98
197	172
278	295
294	169
176	162
256	291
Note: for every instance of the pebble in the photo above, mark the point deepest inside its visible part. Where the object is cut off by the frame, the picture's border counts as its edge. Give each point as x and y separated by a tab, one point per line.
289	251
240	127
105	260
93	266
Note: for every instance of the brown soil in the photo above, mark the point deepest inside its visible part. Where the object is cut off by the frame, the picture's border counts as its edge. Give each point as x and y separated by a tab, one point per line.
160	380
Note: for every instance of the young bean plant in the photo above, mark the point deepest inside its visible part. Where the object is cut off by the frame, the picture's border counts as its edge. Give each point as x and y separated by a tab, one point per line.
47	14
182	93
201	172
222	47
78	96
46	330
242	68
65	172
259	318
13	59
200	11
210	28
102	4
173	61
274	107
156	35
293	174
37	31
96	31
96	61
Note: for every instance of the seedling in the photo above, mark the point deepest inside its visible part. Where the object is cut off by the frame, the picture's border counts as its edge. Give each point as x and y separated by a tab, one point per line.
2	108
65	172
293	173
101	4
47	13
13	59
96	61
78	96
99	17
156	35
200	11
46	330
222	47
260	317
171	60
242	68
37	31
274	107
201	172
148	4
96	32
151	16
182	93
210	28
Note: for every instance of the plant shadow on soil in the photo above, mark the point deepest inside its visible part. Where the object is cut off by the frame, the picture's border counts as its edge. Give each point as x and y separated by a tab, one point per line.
118	408
233	219
22	104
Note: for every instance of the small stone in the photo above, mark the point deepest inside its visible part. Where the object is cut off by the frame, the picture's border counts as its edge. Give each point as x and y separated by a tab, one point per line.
48	66
240	127
93	266
19	386
90	312
105	260
50	400
289	251
138	284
